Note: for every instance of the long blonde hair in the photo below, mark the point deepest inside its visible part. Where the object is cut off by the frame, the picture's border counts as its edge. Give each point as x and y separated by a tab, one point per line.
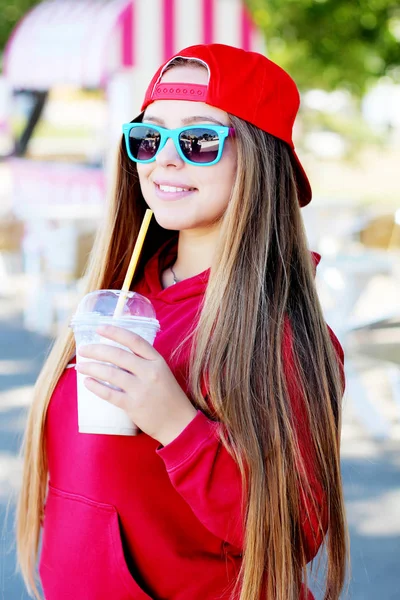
261	279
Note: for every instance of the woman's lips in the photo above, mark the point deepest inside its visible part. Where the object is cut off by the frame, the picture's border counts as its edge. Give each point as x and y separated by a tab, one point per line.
172	192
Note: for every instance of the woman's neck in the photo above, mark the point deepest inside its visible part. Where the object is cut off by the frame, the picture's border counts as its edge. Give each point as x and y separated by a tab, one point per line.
195	252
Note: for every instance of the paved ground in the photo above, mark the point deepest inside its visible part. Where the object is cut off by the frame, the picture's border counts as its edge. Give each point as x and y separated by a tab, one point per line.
371	463
21	356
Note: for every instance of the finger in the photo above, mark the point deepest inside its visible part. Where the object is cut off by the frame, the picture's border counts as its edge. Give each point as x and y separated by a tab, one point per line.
107	373
131	340
106	393
117	356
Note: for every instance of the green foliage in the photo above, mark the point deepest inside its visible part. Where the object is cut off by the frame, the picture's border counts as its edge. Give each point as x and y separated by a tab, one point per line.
11	11
332	43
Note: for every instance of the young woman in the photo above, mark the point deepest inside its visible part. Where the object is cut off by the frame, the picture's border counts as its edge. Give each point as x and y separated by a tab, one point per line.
234	481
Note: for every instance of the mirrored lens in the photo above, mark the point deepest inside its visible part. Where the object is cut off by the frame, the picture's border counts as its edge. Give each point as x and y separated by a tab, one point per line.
144	142
199	145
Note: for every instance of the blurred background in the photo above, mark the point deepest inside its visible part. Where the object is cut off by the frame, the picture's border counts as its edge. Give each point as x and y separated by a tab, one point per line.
72	71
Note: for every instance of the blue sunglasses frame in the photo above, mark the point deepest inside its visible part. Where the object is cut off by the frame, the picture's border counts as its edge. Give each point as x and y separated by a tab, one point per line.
165	134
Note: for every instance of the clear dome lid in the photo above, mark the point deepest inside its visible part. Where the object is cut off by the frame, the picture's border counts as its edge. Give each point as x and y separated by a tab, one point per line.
104	302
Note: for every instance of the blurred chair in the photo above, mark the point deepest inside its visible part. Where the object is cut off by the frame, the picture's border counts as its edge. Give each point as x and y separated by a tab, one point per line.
382	231
360	253
55	269
357	247
11	234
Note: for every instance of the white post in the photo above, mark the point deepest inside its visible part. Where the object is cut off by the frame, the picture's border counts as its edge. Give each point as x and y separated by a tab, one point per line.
121	109
148	39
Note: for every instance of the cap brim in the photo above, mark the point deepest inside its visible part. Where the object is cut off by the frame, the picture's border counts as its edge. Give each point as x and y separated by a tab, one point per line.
303	185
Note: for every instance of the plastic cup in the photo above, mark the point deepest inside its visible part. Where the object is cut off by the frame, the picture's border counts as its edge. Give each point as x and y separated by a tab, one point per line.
96	415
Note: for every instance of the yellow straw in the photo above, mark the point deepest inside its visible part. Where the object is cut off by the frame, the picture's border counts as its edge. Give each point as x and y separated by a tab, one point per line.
133	262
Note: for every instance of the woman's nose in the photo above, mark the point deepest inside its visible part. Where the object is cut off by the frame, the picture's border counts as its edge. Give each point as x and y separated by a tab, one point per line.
168	155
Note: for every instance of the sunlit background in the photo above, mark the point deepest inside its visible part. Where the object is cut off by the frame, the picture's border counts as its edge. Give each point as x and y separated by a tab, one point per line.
72	71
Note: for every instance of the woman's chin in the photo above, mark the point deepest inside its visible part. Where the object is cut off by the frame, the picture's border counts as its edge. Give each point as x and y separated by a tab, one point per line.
172	223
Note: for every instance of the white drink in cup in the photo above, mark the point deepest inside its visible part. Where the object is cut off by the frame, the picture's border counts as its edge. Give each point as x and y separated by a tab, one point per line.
96	415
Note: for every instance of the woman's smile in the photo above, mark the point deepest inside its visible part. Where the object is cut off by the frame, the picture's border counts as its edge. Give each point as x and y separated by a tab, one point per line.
173	191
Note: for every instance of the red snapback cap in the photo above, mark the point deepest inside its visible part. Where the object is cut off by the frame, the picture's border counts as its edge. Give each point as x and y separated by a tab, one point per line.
245	84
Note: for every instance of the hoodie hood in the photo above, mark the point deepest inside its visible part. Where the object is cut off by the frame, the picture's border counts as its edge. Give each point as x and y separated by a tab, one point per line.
187	288
161	260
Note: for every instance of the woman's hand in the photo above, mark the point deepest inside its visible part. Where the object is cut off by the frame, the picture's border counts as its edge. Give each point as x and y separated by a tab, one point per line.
150	394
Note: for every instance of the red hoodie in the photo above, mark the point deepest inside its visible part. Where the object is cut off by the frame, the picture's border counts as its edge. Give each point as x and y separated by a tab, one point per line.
128	519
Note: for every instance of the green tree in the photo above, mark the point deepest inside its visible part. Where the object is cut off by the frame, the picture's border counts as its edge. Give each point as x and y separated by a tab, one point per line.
11	11
332	43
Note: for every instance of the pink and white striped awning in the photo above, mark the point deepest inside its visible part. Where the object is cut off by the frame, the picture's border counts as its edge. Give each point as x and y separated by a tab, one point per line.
83	42
77	42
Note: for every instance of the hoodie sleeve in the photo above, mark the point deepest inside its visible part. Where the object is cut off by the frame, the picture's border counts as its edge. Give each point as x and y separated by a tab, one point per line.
208	478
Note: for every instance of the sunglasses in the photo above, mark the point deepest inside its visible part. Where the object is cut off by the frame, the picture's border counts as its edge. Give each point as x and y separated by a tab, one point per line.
196	144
